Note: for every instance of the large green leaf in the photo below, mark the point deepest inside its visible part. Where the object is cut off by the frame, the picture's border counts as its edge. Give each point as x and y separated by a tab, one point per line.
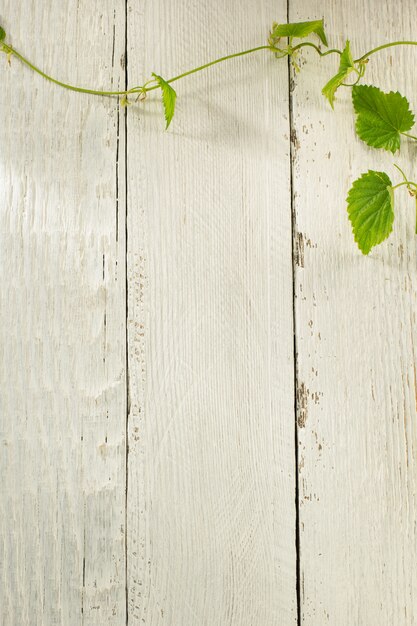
2	34
346	66
169	97
371	209
381	117
300	30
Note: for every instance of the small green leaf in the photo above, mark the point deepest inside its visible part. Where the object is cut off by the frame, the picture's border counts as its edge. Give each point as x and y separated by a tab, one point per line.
169	97
2	34
381	117
300	30
346	66
370	207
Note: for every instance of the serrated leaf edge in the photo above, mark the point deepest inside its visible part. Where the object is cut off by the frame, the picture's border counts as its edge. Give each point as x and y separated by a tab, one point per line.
391	195
340	76
359	113
167	91
318	30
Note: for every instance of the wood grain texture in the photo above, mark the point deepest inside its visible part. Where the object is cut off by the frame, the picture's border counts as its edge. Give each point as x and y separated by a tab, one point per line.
211	515
210	536
62	320
356	335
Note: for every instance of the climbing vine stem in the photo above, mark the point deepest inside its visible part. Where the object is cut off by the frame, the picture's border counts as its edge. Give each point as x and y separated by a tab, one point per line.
382	119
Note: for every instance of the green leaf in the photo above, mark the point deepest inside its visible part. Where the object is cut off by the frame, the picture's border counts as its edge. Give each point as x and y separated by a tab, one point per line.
169	97
381	117
370	207
300	30
346	66
2	34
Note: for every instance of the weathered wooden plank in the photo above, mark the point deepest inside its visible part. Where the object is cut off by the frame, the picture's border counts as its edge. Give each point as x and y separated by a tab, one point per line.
356	331
211	513
62	313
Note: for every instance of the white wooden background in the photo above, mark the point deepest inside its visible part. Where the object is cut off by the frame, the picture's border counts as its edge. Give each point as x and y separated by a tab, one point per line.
201	423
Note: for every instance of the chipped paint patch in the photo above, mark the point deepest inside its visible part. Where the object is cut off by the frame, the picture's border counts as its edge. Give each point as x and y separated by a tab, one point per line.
302	405
299	250
303	396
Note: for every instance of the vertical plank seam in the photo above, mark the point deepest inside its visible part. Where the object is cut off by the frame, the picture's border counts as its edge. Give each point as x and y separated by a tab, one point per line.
126	332
295	353
83	575
117	133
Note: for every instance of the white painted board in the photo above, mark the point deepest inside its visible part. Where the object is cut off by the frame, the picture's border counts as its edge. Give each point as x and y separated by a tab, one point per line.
356	332
211	509
62	320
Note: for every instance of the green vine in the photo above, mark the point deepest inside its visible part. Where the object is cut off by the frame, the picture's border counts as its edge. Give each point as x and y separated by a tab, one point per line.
381	118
